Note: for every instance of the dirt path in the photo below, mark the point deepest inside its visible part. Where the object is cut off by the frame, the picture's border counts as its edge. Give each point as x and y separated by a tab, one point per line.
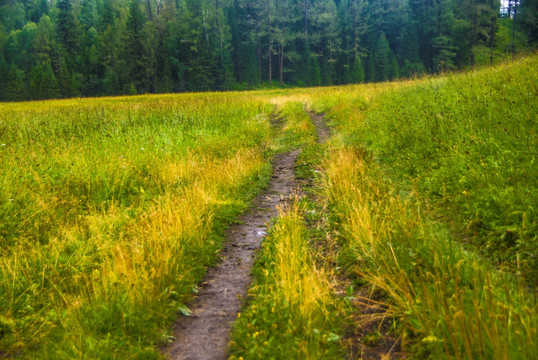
322	129
205	334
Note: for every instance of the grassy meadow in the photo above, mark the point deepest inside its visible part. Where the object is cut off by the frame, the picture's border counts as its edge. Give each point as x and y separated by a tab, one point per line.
432	188
111	209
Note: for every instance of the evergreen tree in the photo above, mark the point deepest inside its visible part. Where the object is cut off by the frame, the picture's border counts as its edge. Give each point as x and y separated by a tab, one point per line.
150	46
16	87
357	71
133	50
108	17
66	27
225	71
4	73
383	63
370	67
99	47
42	83
313	70
67	81
44	41
111	83
529	20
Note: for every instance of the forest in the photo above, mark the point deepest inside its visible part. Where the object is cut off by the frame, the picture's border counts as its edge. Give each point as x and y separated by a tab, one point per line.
79	48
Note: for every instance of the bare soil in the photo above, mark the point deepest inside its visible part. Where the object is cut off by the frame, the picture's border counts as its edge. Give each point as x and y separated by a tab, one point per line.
322	129
371	338
205	334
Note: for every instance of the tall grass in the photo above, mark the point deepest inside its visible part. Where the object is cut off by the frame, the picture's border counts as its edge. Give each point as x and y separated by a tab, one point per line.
449	302
291	307
425	178
110	209
467	143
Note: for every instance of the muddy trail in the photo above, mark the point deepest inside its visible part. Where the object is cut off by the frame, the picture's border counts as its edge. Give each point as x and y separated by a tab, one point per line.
205	334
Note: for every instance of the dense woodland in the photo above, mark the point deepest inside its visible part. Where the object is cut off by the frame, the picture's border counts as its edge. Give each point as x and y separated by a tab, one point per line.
68	48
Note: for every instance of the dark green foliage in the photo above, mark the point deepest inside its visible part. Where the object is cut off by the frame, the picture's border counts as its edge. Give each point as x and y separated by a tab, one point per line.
16	87
42	83
529	19
313	70
187	45
357	71
370	68
383	59
133	50
66	27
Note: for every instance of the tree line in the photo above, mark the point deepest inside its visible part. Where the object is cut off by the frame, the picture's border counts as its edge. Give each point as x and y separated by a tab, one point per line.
68	48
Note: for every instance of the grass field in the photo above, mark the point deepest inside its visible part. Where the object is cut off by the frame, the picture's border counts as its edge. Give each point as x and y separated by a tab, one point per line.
432	186
111	209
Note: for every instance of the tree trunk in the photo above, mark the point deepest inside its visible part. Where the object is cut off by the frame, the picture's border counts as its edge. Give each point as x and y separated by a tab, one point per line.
281	64
306	19
259	50
150	15
492	31
270	48
473	33
514	31
217	7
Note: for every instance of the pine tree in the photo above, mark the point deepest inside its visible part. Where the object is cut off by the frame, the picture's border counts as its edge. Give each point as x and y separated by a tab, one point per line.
357	71
370	67
66	27
44	40
4	71
529	20
313	70
16	87
36	83
67	82
383	63
111	83
442	45
133	50
225	71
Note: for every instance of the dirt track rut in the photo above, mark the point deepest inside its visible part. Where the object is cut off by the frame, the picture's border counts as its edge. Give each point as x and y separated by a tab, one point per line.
205	334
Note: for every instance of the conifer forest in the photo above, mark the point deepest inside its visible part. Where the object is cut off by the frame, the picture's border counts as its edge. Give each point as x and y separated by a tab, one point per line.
80	48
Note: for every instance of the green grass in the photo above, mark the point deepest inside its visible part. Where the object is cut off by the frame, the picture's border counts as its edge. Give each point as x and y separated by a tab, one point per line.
426	177
448	302
110	211
467	144
291	308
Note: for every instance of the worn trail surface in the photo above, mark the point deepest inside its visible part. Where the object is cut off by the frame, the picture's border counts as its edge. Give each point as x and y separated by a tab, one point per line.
322	129
205	334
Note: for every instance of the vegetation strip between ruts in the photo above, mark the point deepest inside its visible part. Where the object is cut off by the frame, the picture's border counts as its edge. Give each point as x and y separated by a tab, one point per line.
291	311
